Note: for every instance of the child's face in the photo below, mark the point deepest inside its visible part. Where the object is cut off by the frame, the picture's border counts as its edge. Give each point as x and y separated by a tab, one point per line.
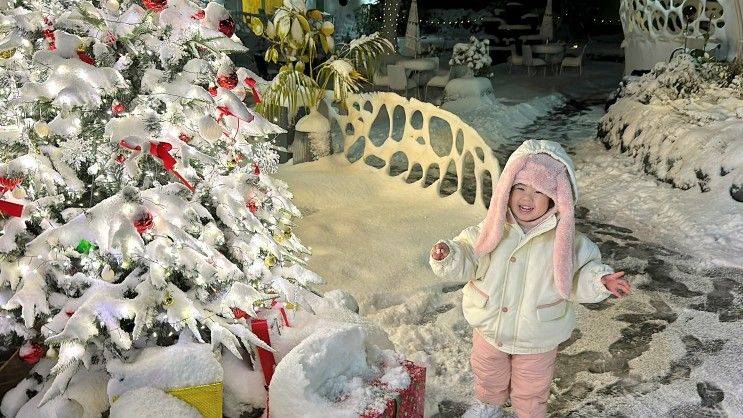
526	203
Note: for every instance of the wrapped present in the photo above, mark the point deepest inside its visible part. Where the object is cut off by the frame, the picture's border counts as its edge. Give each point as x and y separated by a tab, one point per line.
260	328
405	403
269	321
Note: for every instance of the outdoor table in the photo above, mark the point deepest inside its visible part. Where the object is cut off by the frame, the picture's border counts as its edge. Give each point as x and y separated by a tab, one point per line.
552	53
419	65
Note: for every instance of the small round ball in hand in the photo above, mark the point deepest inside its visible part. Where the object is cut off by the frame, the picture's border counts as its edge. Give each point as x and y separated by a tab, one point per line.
439	251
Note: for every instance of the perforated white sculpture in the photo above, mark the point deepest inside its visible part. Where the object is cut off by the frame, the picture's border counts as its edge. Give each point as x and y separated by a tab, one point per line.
407	130
654	28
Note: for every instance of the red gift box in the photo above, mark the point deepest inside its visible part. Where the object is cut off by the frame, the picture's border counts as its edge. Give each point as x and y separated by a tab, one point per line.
408	402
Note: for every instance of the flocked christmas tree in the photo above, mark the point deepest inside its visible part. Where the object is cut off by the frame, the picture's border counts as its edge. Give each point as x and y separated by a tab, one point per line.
136	205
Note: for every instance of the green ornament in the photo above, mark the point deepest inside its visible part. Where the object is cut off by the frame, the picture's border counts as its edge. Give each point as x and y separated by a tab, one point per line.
85	246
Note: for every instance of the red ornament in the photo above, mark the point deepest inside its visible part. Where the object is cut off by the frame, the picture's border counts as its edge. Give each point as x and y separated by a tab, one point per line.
120	159
199	15
252	207
49	34
227	27
118	108
85	58
228	81
8	184
256	169
155	5
31	352
144	223
212	90
52	46
184	137
47	21
239	313
69	313
109	39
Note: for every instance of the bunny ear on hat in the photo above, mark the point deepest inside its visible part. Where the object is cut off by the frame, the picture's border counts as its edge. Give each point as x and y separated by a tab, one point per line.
492	227
562	253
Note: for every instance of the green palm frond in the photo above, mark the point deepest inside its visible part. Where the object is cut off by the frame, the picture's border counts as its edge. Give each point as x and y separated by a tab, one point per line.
365	52
289	89
344	76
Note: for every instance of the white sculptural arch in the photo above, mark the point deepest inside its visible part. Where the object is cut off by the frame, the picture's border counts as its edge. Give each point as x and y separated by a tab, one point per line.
654	28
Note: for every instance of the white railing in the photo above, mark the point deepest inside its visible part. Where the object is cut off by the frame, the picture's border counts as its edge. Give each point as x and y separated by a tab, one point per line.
409	132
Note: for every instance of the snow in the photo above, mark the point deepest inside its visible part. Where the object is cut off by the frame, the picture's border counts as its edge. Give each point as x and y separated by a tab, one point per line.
147	402
161	368
371	234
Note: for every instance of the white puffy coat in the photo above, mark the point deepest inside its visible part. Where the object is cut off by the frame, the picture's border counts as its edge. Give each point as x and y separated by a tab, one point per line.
510	297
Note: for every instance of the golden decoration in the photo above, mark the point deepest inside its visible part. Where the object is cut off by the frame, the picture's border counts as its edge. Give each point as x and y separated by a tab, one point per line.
7	53
270	260
168	299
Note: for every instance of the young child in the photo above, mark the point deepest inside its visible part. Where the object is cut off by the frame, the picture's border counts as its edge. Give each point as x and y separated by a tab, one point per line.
526	268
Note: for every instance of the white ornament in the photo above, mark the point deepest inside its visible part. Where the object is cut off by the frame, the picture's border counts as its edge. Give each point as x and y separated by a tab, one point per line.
107	274
209	129
51	352
112	5
41	128
19	192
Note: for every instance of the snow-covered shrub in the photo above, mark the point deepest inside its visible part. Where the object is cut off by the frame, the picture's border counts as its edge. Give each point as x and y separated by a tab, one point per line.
683	77
682	121
475	55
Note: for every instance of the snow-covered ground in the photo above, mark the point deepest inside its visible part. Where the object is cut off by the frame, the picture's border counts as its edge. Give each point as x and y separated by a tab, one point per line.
370	234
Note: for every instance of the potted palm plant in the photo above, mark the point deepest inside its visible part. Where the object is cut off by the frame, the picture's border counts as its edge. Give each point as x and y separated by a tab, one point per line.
295	35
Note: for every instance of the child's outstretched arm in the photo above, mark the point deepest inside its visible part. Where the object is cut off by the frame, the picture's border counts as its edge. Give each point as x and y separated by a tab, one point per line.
594	281
455	259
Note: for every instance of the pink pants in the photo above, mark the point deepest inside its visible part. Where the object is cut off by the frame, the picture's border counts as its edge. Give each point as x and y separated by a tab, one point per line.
525	377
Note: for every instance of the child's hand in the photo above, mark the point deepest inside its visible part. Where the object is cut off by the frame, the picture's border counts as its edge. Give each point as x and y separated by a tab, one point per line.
439	251
616	284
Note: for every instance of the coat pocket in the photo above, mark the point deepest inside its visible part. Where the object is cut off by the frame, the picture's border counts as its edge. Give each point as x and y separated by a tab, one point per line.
474	303
551	311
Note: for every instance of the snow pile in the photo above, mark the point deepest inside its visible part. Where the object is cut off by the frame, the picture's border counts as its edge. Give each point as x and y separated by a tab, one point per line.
479	112
331	372
684	121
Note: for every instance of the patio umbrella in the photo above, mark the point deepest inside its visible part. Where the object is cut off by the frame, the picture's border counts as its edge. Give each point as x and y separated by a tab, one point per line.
547	29
412	32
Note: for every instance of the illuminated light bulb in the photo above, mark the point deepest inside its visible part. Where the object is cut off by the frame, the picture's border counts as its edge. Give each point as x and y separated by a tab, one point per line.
112	5
41	128
209	129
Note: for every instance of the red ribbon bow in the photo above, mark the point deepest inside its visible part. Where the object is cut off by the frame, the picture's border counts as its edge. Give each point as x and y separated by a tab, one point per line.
251	83
161	150
224	111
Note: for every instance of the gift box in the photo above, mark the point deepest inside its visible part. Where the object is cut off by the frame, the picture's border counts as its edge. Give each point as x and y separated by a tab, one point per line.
268	321
408	402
